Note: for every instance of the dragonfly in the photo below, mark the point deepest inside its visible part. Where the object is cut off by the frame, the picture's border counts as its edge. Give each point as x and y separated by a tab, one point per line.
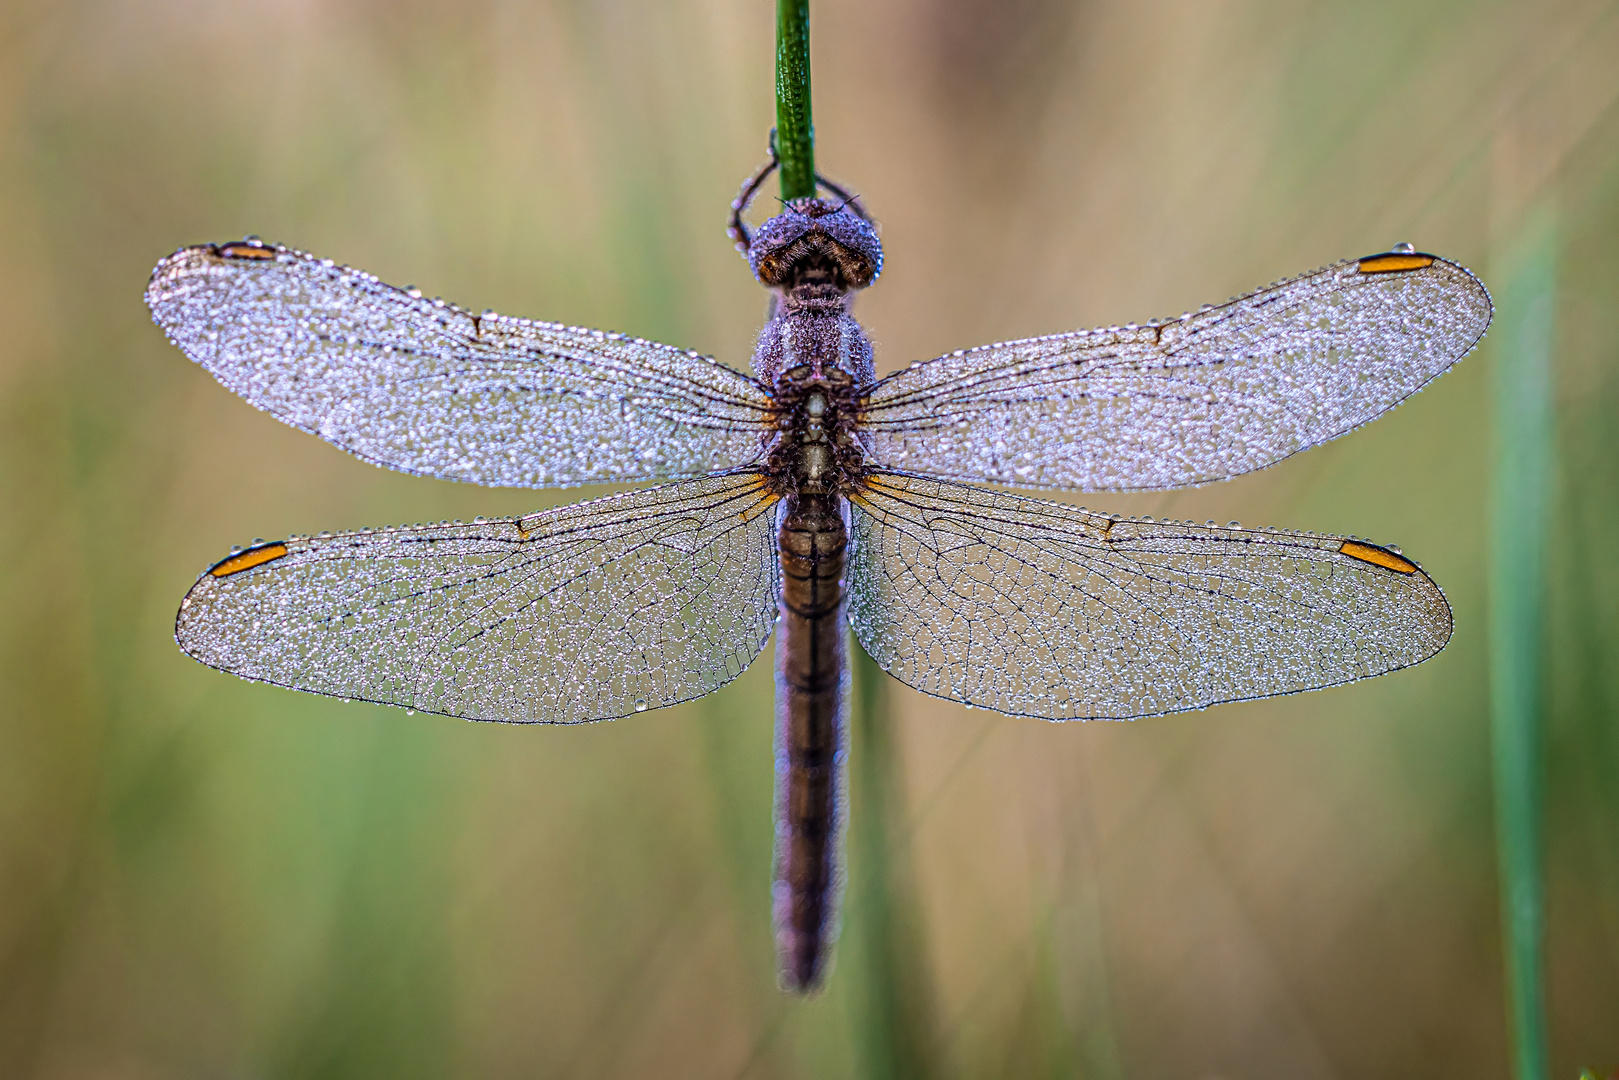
810	498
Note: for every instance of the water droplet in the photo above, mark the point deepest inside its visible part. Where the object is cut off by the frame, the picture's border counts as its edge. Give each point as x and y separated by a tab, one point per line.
413	292
640	705
410	712
1233	524
1403	248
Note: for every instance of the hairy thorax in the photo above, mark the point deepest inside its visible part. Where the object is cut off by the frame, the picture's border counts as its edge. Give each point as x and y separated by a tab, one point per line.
815	357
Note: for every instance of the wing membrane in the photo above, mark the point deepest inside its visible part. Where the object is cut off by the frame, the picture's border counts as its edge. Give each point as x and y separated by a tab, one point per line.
1036	608
586	612
425	387
1211	395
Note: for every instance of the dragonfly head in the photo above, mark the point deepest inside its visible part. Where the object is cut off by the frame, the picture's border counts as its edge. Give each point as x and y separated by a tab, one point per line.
817	243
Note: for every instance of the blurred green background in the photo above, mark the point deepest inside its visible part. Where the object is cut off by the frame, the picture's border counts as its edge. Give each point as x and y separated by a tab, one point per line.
203	877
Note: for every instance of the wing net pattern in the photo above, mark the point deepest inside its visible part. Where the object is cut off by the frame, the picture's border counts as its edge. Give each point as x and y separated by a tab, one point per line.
1214	394
587	612
423	386
1037	608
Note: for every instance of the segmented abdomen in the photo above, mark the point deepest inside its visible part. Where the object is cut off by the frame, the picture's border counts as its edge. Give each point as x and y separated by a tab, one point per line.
812	681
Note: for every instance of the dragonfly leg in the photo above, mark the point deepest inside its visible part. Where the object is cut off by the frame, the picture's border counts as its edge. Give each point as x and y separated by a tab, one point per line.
850	199
737	230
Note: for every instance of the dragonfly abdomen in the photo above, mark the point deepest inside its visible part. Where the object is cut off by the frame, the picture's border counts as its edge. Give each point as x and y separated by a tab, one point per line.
811	688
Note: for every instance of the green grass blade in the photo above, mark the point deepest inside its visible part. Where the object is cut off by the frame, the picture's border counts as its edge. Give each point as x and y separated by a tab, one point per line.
893	1022
1520	509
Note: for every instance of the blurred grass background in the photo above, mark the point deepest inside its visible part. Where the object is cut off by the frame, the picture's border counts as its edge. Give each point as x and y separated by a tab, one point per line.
202	877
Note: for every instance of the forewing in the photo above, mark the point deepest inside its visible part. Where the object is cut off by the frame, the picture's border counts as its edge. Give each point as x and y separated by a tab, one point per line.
1213	394
586	612
425	387
1035	608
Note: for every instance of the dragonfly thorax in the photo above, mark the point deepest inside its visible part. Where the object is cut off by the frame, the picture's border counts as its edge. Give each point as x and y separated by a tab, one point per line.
816	450
812	355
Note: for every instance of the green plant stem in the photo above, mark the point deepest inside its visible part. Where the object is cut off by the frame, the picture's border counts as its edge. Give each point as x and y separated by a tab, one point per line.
893	1019
795	131
1520	509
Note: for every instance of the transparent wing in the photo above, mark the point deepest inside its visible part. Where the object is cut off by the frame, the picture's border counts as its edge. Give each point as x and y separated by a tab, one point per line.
425	387
1210	395
1034	608
587	612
